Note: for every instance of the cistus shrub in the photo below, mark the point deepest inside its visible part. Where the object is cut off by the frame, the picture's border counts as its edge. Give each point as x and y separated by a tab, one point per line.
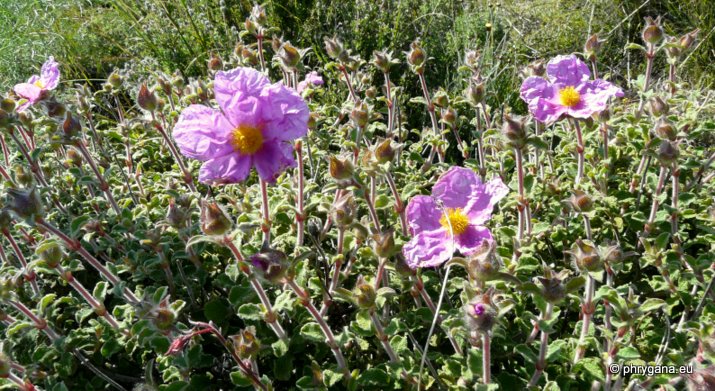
291	220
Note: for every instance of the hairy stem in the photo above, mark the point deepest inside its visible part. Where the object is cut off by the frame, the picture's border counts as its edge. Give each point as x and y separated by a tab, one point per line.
587	309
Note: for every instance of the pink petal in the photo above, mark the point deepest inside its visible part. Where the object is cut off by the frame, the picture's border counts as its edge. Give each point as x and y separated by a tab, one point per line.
455	186
568	70
272	159
471	240
428	249
50	74
482	201
230	168
284	113
237	84
202	133
423	214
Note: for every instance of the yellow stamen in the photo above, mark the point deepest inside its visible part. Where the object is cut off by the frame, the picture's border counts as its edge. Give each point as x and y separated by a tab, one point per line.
455	218
39	83
246	139
569	97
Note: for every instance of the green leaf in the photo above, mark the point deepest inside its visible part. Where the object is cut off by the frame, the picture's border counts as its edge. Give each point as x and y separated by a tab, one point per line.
374	377
311	331
100	290
629	353
331	378
46	301
239	379
250	311
652	305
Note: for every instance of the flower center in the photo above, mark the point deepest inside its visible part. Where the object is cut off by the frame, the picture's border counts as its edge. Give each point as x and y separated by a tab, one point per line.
246	139
569	97
456	219
39	83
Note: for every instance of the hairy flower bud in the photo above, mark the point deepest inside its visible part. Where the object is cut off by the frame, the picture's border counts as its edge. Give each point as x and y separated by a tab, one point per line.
23	175
666	131
586	257
245	343
8	105
214	220
55	108
115	80
384	152
514	130
471	59
360	115
475	93
450	117
440	99
176	217
382	60
341	170
344	210
686	41
537	68
163	318
335	49
71	127
215	63
384	243
51	254
289	56
364	294
658	107
653	31
25	203
592	47
146	99
553	289
271	265
581	202
667	153
480	315
416	56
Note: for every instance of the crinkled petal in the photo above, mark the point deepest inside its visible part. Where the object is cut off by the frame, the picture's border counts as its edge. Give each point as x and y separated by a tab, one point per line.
202	133
568	70
283	113
535	87
310	79
595	95
237	84
482	201
28	91
272	159
423	214
455	186
230	168
428	249
245	111
542	98
50	74
472	239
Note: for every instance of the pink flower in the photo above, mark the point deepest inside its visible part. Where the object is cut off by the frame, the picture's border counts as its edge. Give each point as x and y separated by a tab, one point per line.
37	86
311	79
567	91
456	224
254	127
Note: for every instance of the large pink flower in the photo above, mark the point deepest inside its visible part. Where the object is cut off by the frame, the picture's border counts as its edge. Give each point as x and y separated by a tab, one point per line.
452	218
37	86
567	91
253	128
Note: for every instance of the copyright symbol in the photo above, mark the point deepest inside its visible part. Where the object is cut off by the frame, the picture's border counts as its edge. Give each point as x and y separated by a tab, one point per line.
614	369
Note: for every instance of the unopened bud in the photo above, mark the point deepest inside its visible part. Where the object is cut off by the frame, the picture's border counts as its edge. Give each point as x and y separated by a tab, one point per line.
335	49
344	211
271	265
416	56
384	243
71	126
23	175
475	93
74	157
382	61
51	254
55	109
653	31
687	40
658	107
440	99
289	56
480	315
514	130
214	220
450	117
360	115
666	131
175	216
667	153
384	152
581	202
537	68
25	203
215	63
163	318
341	169
592	47
115	80
8	105
585	256
146	99
553	289
364	294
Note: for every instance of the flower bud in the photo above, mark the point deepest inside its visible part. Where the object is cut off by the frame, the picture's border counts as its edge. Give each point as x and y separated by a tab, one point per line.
612	254
592	47
341	170
514	131
71	127
343	212
335	49
175	216
585	256
246	344
653	31
51	254
537	68
55	108
384	152
5	366
471	59
25	203
360	115
163	318
258	14
249	56
214	220
475	93
581	202
270	265
416	56
687	40
371	92
364	294
384	243
7	105
666	131
553	289
289	56
667	153
658	107
250	26
450	117
215	63
480	314
177	80
441	99
382	60
23	175
146	99
115	80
